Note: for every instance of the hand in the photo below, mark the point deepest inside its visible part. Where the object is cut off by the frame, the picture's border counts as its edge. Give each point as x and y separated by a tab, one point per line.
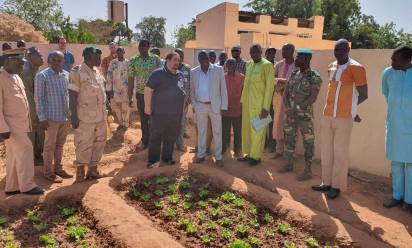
44	125
5	136
290	111
148	110
263	114
357	119
75	122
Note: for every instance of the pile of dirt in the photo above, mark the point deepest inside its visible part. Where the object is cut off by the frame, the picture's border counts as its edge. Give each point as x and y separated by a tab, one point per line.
13	28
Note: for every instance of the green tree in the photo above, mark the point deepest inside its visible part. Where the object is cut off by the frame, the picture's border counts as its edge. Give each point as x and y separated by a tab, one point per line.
184	33
152	29
122	33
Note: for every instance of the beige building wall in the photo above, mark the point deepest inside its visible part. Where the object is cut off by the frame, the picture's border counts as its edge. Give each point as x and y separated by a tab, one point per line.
210	27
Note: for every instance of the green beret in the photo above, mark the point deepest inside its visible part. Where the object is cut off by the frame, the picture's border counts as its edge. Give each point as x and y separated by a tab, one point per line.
304	51
91	50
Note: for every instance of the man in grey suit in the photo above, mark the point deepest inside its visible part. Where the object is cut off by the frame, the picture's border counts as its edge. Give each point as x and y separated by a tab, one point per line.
209	98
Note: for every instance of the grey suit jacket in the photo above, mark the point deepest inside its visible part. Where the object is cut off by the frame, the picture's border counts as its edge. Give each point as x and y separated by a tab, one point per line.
217	87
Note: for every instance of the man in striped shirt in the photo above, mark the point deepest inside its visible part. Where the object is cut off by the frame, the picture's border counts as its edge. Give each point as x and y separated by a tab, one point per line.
51	96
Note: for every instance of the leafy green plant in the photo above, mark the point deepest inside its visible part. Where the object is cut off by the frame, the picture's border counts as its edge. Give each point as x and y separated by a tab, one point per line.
3	220
162	180
189	196
214	212
284	228
227	208
312	243
228	197
77	232
214	202
255	242
170	213
135	194
47	240
66	212
255	223
159	204
9	242
187	205
159	192
203	193
225	221
172	187
239	203
40	227
269	234
174	199
184	222
202	204
184	184
268	218
254	211
146	197
288	244
191	229
226	234
202	217
147	183
238	244
242	230
206	239
211	225
73	220
33	215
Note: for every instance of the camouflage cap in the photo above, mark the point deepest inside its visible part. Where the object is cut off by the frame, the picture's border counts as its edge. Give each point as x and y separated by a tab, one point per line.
91	50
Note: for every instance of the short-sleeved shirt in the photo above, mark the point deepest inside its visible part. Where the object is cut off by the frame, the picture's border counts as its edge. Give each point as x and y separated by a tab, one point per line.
299	87
168	92
342	97
234	84
241	66
68	60
106	62
141	68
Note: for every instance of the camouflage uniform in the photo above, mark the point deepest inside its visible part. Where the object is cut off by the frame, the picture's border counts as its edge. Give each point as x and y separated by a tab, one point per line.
298	89
90	136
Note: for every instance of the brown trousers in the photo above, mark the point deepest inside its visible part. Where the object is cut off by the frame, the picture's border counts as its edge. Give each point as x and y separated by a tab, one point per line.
55	138
89	140
335	141
122	112
19	163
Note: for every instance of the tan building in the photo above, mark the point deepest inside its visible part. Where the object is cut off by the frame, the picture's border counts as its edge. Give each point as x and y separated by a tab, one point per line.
224	26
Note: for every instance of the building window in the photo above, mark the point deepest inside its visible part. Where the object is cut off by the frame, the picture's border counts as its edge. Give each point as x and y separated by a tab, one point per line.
306	36
306	23
279	21
249	17
247	32
278	33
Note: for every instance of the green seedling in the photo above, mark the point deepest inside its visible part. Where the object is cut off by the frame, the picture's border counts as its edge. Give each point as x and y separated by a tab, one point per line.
202	217
255	223
9	242
254	211
147	184
184	222
135	194
73	220
242	230
226	222
189	196
146	197
170	213
184	185
284	228
206	239
327	246
288	244
159	204
227	208
226	234
77	232
203	193
162	180
187	205
66	212
3	220
202	204
228	197
33	215
191	229
312	243
214	202
214	212
211	225
47	240
269	234
239	244
40	227
159	192
172	187
255	242
268	218
173	199
239	203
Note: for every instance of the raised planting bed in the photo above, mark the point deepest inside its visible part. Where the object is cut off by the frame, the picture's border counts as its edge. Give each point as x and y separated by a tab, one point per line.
197	214
58	225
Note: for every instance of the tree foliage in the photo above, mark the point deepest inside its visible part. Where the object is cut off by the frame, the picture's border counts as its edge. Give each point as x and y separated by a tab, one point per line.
152	29
184	33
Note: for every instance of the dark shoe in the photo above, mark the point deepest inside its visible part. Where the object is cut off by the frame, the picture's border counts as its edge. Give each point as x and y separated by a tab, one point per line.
186	136
53	178
63	174
244	159
321	188
152	165
237	155
169	162
286	168
198	160
392	203
253	162
10	193
333	193
277	156
93	173
39	161
408	207
35	191
219	163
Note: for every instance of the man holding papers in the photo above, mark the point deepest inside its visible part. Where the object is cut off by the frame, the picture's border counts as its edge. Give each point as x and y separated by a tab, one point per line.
256	100
301	92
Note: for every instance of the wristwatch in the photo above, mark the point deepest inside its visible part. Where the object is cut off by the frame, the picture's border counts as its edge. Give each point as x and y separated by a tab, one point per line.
297	107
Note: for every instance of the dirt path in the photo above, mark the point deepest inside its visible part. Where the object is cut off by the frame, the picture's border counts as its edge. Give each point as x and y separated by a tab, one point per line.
360	207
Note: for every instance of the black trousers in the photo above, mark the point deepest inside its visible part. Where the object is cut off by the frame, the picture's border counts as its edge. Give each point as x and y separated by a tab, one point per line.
164	131
270	142
144	119
227	124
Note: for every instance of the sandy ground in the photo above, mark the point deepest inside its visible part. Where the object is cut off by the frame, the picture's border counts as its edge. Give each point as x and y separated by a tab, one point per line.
360	207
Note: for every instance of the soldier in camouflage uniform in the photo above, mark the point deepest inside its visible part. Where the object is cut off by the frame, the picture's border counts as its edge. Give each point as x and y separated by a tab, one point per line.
88	113
300	93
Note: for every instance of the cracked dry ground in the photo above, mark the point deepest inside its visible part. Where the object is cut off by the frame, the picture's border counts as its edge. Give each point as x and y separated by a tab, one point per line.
359	211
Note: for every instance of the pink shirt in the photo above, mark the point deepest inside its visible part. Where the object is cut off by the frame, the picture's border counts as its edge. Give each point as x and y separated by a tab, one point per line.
234	85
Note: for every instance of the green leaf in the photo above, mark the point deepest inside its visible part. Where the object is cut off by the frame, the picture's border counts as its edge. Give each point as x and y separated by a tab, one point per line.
269	234
162	180
228	197
187	205
73	220
203	193
268	218
77	232
170	213
284	228
289	244
184	222
184	185
159	204
174	199
239	244
254	241
226	234
40	227
206	239
33	215
202	204
159	192
3	220
312	243
191	229
211	225
48	240
146	197
239	203
172	187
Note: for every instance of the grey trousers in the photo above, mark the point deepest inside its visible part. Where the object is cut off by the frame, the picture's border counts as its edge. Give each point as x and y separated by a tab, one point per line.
203	111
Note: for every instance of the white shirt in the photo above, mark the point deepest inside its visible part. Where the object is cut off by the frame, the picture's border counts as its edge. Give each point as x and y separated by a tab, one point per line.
203	94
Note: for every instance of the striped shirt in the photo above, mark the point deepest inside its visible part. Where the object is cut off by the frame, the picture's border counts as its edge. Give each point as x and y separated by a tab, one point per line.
51	95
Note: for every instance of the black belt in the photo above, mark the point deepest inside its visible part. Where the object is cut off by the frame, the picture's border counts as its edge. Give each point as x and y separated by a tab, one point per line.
206	102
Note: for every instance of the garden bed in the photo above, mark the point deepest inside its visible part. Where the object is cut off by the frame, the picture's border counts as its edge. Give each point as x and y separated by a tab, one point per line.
58	225
197	214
